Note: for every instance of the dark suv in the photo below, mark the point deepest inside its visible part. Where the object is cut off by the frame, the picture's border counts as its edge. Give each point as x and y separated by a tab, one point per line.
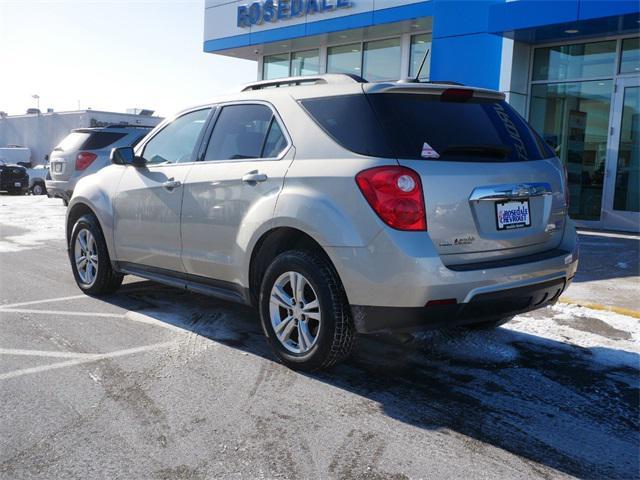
13	178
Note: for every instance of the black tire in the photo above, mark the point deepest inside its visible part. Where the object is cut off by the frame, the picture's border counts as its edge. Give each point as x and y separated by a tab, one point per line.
336	336
107	280
489	324
39	189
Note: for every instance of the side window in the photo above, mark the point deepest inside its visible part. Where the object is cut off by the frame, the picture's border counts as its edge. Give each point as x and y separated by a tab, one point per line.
275	142
175	142
245	131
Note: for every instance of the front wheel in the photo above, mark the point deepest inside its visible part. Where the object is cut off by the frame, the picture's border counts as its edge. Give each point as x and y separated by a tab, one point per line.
90	260
304	312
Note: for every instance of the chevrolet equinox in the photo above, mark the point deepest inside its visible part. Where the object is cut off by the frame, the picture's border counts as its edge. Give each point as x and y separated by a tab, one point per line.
336	207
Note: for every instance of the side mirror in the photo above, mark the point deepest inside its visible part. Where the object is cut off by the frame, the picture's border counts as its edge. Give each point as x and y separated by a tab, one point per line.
125	156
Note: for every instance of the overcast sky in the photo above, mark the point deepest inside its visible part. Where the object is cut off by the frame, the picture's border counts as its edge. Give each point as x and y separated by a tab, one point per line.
110	55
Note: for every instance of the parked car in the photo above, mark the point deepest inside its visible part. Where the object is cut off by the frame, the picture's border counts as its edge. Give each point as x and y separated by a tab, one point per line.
85	151
336	206
14	178
37	179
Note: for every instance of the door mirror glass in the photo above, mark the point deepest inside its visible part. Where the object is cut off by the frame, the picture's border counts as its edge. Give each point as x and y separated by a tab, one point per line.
126	156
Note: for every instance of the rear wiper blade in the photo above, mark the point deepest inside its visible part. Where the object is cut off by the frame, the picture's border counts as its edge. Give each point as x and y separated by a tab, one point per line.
477	150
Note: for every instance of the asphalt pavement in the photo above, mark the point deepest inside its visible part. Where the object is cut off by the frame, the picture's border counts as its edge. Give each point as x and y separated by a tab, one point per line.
157	383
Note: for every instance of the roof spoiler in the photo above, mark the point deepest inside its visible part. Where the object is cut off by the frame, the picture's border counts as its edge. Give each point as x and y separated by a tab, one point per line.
431	88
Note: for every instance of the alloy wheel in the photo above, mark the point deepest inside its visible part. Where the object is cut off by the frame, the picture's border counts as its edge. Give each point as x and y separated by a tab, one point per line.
295	312
86	257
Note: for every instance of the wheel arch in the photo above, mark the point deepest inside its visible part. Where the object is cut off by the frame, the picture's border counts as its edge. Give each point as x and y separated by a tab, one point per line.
272	243
79	209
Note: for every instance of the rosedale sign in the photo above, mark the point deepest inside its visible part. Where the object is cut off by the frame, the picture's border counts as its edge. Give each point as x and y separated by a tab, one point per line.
275	10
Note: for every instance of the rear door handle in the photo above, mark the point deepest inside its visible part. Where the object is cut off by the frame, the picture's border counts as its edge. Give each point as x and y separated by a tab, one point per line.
254	177
171	184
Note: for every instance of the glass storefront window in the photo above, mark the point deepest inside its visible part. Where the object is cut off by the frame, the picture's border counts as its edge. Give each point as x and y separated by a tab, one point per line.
630	61
627	193
381	60
344	59
585	60
305	63
419	45
275	66
574	119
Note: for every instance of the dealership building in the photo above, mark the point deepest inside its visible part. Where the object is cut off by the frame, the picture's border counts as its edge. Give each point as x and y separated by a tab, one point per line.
571	67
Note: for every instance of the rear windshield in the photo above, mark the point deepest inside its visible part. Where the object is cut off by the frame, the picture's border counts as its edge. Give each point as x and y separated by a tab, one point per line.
73	141
88	141
99	140
415	126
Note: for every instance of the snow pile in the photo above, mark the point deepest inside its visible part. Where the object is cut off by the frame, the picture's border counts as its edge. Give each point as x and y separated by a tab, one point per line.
611	337
28	222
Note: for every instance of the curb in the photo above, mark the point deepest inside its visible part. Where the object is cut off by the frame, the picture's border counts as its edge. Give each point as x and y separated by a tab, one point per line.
598	306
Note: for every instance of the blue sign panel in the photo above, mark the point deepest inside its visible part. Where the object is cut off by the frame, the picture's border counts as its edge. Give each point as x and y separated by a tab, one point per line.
275	10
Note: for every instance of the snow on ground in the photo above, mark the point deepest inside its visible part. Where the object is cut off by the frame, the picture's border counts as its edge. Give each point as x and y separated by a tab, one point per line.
30	221
613	338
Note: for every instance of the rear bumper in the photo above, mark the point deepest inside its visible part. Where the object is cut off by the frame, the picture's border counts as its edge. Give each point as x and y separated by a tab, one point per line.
483	307
8	183
390	282
60	188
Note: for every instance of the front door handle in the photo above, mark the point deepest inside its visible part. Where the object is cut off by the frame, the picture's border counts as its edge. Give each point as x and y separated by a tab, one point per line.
171	184
254	177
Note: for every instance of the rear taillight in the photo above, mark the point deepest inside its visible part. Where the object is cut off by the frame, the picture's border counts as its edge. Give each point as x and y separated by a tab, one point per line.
566	185
84	159
395	194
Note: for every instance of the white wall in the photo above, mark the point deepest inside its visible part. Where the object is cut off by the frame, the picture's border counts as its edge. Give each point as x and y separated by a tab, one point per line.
41	133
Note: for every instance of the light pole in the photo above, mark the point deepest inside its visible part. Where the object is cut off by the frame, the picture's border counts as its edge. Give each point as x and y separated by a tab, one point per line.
37	97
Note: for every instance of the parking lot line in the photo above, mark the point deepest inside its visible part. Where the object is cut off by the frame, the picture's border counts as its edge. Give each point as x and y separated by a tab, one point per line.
46	300
44	353
89	358
63	312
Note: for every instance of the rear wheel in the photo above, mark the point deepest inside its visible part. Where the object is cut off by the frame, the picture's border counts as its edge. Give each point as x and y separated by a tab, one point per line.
304	312
90	260
39	189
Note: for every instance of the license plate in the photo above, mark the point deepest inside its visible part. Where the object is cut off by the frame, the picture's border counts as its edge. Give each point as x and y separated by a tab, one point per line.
17	184
57	167
513	214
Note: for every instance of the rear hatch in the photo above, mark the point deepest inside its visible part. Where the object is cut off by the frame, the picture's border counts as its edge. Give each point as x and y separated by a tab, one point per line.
63	157
493	189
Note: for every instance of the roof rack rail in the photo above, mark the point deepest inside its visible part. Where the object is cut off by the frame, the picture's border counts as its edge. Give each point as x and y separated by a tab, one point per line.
328	78
126	125
436	82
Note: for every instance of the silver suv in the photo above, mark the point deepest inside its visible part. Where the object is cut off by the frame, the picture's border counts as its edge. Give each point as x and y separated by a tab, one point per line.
85	151
336	206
